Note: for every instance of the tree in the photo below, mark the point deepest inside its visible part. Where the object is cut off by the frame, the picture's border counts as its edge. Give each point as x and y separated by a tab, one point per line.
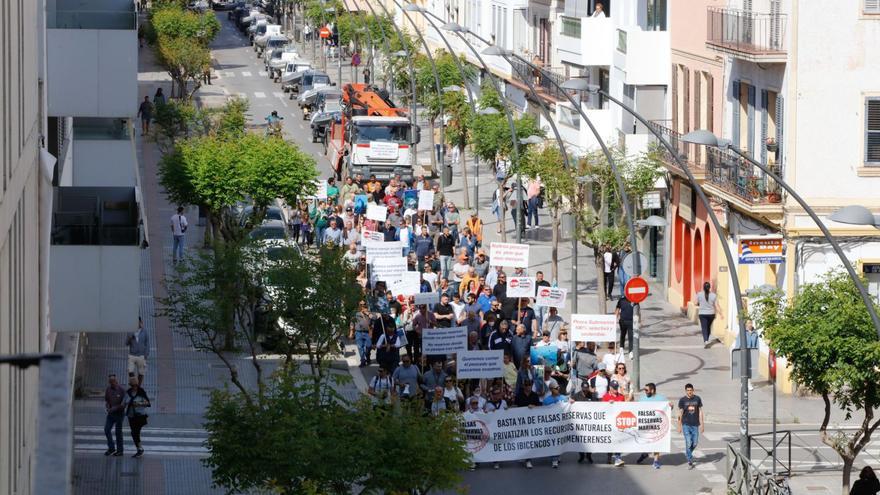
559	187
182	38
458	128
826	334
185	62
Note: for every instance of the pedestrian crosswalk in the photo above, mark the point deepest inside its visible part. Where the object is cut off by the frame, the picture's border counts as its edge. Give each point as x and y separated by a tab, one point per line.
155	441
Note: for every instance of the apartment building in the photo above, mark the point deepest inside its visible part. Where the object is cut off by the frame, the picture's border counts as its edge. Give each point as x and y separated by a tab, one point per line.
23	260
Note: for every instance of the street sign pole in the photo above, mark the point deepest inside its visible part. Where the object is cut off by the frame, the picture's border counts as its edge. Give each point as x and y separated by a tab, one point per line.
636	291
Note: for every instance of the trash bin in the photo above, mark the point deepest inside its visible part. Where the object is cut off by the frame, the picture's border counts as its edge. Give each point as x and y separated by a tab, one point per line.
446	173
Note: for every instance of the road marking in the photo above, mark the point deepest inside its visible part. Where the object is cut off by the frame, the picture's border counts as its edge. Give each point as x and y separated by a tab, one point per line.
278	94
148	440
264	73
245	73
229	73
715	478
168	431
706	467
259	94
243	96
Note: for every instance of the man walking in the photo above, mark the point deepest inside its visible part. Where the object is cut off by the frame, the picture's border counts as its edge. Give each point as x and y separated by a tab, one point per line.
178	228
690	421
114	404
651	395
624	313
145	112
138	351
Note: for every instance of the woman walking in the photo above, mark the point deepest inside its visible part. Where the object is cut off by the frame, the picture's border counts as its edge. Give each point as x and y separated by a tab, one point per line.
136	402
707	304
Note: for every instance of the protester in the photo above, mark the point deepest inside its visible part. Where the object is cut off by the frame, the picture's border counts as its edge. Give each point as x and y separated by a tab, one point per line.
613	357
114	406
584	362
867	484
554	398
382	387
453	393
136	402
651	395
624	314
613	395
406	378
690	421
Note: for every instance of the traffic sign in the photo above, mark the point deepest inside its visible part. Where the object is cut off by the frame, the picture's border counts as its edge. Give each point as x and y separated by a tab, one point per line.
636	290
324	32
629	264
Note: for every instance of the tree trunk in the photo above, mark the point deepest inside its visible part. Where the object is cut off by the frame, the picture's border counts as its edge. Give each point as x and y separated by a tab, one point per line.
464	178
436	170
847	472
600	281
554	253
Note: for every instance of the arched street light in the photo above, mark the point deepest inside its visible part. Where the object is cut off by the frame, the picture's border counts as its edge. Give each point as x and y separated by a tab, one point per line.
856	215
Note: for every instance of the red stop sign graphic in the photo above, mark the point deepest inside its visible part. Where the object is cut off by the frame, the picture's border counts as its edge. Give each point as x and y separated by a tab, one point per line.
514	283
545	292
324	32
625	420
636	290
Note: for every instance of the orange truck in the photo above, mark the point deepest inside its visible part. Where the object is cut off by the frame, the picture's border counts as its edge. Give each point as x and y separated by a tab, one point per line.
373	137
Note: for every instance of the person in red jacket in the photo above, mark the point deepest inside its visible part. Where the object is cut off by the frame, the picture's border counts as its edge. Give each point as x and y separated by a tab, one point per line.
614	395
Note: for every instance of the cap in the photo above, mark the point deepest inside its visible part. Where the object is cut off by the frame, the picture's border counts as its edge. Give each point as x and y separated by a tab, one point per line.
614	384
481	252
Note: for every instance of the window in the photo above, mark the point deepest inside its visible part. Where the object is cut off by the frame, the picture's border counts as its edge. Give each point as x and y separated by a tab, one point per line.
872	7
656	15
621	41
569	116
571	27
872	131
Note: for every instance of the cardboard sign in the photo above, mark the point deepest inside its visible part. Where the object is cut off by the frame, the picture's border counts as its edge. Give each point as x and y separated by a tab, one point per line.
547	355
427	298
372	237
552	297
480	364
520	287
389	269
524	433
409	284
383	250
426	200
377	212
410	199
509	254
444	340
593	328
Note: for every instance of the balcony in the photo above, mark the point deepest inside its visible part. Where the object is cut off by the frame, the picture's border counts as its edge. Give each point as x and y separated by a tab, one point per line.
643	56
95	271
684	151
740	183
577	134
543	82
92	52
586	41
747	35
103	154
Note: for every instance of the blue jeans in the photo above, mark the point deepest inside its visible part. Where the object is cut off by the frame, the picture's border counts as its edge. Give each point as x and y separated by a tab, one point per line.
532	211
624	278
319	236
691	437
177	248
114	419
541	313
445	266
364	343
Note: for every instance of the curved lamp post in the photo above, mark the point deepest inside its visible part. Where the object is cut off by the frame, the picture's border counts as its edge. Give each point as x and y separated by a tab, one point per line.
385	41
850	214
737	293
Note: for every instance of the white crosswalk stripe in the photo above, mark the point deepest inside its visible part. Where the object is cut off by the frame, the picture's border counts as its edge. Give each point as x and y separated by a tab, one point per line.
259	94
278	94
155	441
245	73
264	73
228	73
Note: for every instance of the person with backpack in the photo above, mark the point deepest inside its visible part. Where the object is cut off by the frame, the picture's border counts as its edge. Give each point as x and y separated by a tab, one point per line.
389	343
382	386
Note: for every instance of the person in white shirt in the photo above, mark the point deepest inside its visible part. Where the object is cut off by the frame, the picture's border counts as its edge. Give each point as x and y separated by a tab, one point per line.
178	229
599	10
457	308
612	358
429	276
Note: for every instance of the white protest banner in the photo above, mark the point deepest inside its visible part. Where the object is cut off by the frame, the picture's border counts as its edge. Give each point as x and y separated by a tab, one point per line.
408	285
593	328
377	212
444	340
389	269
552	297
383	250
426	200
509	254
480	364
520	287
524	433
427	298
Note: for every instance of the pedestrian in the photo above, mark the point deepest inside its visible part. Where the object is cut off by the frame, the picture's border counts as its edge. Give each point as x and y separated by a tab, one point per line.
519	216
584	395
554	398
295	224
534	199
613	395
690	421
381	387
145	112
611	262
621	273
360	332
707	304
178	229
867	484
366	75
158	98
135	410
138	351
114	405
624	313
651	395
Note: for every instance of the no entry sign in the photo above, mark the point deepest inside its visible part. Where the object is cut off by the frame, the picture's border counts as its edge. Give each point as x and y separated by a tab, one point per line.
324	32
636	290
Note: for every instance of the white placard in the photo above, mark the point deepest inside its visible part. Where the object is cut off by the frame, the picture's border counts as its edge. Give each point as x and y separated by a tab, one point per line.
372	238
427	298
552	297
389	269
383	150
509	254
520	287
377	250
524	433
408	285
593	328
320	190
480	364
426	200
377	212
444	340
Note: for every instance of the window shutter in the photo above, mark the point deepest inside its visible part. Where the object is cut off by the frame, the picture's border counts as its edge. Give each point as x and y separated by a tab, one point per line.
765	101
698	109
780	114
686	89
736	111
710	102
872	6
872	131
750	146
675	98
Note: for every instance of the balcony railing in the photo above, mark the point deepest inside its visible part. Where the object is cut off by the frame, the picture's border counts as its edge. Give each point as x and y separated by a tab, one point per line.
737	176
91	19
95	216
541	80
746	34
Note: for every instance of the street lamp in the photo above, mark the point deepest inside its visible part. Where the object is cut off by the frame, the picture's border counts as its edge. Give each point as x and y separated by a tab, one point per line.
452	89
855	214
488	111
533	139
652	221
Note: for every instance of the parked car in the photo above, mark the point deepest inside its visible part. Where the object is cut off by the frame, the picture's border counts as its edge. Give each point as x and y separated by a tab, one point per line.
310	79
328	112
293	73
225	4
272	213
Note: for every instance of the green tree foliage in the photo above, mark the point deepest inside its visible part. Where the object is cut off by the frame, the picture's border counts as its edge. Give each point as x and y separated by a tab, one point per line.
490	134
175	22
182	37
826	334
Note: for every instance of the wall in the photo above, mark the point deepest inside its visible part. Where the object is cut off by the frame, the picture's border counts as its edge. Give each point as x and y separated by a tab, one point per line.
20	254
108	163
